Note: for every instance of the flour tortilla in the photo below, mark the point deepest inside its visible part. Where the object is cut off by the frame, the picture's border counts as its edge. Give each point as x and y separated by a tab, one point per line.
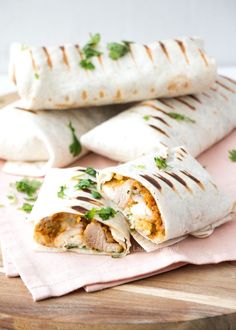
144	128
51	78
34	141
188	200
49	204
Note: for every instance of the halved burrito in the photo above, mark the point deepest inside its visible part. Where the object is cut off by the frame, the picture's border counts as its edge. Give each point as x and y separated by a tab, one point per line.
70	215
72	76
165	196
195	121
33	141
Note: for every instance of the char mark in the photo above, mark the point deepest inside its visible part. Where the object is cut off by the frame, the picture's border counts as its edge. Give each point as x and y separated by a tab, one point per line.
152	181
198	182
183	50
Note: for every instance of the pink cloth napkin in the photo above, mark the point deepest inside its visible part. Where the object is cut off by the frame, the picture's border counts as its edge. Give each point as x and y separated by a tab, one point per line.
54	274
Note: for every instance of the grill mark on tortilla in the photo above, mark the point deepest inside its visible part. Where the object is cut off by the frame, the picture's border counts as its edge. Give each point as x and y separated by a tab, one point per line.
229	79
80	209
179	158
23	109
185	103
152	181
226	87
165	103
179	179
101	94
89	200
118	95
183	50
49	61
223	95
163	47
207	95
149	52
168	182
202	54
183	150
159	129
161	120
195	98
198	182
213	89
155	107
78	49
33	61
84	95
64	56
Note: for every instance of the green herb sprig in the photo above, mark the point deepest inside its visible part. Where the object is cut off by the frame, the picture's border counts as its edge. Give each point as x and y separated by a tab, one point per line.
29	187
91	171
61	192
75	146
180	117
161	163
118	50
89	51
104	213
85	184
232	155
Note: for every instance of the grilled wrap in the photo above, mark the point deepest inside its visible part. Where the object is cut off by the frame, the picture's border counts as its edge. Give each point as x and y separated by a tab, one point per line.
69	216
165	196
196	121
52	77
33	141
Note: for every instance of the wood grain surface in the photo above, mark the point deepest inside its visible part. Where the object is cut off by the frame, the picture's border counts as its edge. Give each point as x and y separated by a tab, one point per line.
191	297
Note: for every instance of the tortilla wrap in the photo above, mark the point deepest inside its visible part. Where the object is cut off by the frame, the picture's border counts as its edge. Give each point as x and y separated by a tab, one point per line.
59	217
33	141
165	205
52	78
142	129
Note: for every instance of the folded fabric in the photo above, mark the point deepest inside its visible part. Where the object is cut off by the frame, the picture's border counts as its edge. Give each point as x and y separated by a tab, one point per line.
33	141
195	121
55	274
165	196
70	76
70	215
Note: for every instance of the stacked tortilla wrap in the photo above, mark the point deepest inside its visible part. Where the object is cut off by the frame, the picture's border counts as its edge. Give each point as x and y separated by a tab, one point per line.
70	215
33	141
195	121
52	78
165	196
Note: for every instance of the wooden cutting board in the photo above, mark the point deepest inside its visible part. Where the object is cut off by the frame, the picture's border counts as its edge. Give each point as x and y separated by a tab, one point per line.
191	297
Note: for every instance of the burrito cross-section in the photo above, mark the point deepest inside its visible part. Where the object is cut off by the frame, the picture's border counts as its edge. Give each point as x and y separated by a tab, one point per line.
165	196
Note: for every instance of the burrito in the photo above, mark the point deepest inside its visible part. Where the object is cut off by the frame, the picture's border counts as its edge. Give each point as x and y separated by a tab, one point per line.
165	196
71	215
34	141
195	121
71	76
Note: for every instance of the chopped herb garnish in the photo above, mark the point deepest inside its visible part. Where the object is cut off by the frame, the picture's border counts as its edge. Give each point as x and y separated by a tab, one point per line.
160	163
24	47
117	50
89	51
146	117
84	184
91	171
27	207
87	64
36	76
232	155
104	213
141	167
180	117
29	187
75	146
1	205
96	194
61	192
71	246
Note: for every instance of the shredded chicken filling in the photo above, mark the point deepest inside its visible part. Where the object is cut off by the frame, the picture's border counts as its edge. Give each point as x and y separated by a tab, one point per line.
66	230
137	204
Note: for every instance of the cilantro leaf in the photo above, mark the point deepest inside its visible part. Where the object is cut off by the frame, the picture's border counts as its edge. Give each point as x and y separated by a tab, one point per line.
89	51
84	184
117	50
180	117
75	146
61	192
91	171
27	207
146	117
104	213
232	155
86	64
96	194
36	76
29	187
160	163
